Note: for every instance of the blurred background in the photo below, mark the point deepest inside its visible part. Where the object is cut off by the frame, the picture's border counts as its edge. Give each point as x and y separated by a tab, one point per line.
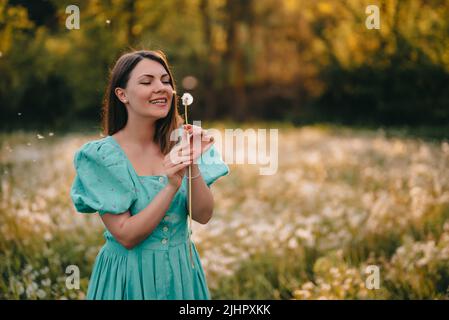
363	120
300	61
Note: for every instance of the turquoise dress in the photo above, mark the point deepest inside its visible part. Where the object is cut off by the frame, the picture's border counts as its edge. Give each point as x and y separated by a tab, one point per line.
160	267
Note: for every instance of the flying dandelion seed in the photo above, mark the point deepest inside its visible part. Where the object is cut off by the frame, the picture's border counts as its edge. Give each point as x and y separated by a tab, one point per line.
40	136
19	113
108	21
51	134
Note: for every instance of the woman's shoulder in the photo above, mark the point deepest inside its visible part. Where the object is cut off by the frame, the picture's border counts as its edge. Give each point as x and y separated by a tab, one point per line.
99	150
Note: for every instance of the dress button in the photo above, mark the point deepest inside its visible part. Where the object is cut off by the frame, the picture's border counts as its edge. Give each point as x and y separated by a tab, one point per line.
164	241
161	179
165	229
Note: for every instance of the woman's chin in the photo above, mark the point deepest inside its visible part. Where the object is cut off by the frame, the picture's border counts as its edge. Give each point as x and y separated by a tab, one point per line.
160	115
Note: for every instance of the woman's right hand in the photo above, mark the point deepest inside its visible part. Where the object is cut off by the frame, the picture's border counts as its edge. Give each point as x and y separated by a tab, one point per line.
176	161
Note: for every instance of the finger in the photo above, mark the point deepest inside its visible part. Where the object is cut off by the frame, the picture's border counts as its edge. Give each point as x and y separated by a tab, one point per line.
196	131
185	137
184	152
174	154
197	155
183	159
207	138
177	167
176	159
192	128
184	162
182	146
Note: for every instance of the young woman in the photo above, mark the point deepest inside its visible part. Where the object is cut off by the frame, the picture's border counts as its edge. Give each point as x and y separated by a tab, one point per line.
135	178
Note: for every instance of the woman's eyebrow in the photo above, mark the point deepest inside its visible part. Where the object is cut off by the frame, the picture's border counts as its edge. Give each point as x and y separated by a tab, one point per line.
152	76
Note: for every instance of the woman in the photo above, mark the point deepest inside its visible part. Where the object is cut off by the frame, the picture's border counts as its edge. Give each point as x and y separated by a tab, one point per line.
135	178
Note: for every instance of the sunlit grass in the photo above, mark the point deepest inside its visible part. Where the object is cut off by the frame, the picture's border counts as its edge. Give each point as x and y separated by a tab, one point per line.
342	199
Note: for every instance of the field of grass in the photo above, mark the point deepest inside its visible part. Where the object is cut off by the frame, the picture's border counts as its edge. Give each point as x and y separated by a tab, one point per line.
341	200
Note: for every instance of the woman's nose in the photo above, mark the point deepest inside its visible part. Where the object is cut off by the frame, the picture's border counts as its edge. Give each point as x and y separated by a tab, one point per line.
159	86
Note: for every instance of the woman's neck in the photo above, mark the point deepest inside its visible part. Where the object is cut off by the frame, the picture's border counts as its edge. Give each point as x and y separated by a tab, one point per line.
139	132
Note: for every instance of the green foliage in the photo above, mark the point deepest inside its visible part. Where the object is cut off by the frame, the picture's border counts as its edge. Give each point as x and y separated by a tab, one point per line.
266	275
314	58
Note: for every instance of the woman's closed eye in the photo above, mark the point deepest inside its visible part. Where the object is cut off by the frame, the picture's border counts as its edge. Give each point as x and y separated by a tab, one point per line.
147	83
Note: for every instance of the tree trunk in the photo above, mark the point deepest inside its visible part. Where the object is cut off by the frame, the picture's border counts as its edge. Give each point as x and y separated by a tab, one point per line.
210	69
234	57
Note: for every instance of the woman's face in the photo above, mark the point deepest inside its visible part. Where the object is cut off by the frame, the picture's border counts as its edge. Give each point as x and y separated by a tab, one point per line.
148	92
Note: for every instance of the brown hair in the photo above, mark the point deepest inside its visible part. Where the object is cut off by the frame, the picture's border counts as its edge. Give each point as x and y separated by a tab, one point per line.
114	114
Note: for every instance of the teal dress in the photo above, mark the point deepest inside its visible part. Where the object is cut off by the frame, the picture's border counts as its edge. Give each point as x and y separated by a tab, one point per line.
166	265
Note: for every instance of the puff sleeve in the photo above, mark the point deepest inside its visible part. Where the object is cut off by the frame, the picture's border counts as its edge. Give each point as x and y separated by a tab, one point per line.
212	165
102	183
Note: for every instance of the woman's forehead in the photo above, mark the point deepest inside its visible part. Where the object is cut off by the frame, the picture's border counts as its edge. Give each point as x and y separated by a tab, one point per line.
149	68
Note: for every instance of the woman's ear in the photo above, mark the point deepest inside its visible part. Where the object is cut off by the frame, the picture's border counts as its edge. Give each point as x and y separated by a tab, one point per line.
121	95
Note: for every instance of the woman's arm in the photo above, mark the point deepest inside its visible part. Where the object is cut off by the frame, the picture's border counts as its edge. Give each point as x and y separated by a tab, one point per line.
131	230
202	198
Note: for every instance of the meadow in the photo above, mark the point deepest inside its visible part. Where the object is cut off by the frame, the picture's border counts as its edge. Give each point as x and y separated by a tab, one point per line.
342	199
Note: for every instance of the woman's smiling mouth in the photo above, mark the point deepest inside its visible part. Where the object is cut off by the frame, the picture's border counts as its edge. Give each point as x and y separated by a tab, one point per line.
159	102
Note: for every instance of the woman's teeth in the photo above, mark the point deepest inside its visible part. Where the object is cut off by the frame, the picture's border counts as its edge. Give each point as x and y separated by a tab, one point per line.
159	101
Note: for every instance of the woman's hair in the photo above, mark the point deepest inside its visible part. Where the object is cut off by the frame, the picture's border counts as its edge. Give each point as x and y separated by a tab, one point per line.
114	114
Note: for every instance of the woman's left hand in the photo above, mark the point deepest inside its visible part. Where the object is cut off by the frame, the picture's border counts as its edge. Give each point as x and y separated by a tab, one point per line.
200	141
